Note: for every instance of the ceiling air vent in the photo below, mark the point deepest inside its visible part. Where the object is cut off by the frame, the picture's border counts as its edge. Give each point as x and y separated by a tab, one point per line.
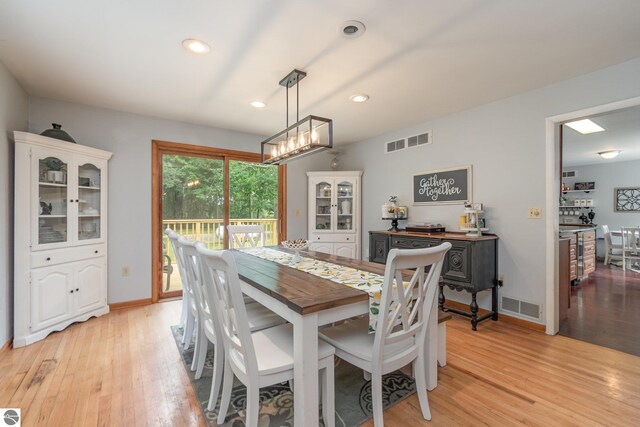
569	174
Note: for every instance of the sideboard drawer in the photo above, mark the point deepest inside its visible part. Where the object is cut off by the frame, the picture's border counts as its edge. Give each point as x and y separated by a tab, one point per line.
589	236
402	242
589	265
61	256
573	270
589	248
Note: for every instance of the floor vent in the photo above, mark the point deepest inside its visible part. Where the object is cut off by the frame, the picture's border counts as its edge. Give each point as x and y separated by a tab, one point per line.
409	142
520	307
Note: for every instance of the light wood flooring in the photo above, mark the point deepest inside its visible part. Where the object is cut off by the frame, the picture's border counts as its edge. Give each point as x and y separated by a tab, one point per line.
124	369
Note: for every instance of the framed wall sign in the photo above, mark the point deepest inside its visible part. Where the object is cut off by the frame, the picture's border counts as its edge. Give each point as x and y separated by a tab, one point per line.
627	199
444	186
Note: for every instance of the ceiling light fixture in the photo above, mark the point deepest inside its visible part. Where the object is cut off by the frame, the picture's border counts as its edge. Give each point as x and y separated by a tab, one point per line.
196	46
305	136
258	104
585	126
352	29
610	154
359	98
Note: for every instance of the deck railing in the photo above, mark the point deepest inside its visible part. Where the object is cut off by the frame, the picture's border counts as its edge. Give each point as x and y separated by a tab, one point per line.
211	231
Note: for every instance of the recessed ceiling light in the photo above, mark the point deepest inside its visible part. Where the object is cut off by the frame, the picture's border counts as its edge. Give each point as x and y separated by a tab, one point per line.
585	126
258	104
361	97
352	29
610	154
196	46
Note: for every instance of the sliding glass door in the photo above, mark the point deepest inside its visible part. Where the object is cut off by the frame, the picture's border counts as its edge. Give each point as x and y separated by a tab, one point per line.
198	192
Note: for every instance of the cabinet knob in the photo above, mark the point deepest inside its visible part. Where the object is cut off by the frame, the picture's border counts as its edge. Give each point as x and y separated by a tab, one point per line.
71	200
48	258
71	291
77	289
347	238
96	251
77	200
318	238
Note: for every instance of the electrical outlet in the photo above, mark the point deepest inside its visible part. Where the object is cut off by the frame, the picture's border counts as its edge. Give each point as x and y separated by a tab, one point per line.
296	212
535	213
126	271
502	279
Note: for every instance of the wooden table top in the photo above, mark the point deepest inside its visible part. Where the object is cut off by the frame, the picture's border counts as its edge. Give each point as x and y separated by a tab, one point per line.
447	235
302	292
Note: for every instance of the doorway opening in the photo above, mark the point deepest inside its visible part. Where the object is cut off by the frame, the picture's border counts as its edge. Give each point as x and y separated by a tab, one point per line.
199	191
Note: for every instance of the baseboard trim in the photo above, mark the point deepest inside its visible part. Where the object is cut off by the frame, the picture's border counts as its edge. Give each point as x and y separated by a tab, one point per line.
129	304
501	317
6	346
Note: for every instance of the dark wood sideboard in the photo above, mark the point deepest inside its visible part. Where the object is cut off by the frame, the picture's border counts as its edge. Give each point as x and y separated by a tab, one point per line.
470	265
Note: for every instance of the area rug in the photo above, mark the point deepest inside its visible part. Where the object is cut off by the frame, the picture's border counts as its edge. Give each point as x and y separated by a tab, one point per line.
352	394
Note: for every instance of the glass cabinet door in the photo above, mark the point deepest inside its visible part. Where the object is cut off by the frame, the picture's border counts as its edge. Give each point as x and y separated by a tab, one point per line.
345	198
89	202
323	205
52	191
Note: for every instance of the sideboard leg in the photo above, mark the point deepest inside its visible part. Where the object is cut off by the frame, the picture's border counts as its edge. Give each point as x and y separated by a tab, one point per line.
441	298
474	311
494	302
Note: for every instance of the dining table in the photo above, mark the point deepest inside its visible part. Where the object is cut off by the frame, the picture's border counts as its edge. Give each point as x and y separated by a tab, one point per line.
309	302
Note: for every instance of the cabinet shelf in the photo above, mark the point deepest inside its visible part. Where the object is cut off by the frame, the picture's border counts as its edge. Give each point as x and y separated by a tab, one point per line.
51	184
51	216
82	187
89	216
577	191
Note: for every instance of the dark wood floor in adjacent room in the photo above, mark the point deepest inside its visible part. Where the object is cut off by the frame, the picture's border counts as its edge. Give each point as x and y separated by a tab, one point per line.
605	310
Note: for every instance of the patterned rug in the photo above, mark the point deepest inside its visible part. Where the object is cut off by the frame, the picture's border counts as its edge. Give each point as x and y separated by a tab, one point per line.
352	394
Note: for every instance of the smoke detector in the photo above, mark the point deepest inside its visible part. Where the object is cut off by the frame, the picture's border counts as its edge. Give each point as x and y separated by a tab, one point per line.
352	29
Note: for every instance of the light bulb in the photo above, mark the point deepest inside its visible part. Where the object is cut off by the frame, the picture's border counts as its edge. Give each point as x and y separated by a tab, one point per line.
292	144
314	136
274	152
282	147
302	141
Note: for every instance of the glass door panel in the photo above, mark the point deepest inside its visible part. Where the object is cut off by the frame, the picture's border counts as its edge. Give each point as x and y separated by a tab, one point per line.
192	205
323	206
52	201
89	202
345	206
253	197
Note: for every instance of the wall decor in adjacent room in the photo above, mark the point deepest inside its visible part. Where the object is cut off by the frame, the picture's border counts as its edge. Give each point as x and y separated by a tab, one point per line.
627	199
443	186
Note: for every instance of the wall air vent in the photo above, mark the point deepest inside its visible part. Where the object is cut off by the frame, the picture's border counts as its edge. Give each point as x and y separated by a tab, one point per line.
569	174
409	142
522	308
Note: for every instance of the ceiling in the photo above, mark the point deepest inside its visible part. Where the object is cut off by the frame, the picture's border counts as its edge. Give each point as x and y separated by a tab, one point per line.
621	132
417	60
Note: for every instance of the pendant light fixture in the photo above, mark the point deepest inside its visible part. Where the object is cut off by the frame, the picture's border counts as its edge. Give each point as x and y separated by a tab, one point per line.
306	136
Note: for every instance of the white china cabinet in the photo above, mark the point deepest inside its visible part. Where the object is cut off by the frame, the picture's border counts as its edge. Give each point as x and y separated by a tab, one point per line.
60	235
334	212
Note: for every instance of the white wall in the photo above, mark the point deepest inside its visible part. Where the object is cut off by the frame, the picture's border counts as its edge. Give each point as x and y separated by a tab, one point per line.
505	143
129	137
607	177
13	116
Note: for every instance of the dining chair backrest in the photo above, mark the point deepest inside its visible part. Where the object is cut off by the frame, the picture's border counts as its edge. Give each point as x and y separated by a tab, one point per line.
176	247
631	239
192	267
189	284
246	236
221	280
405	306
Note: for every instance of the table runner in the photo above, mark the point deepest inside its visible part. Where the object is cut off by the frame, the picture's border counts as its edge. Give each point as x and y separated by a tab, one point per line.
366	281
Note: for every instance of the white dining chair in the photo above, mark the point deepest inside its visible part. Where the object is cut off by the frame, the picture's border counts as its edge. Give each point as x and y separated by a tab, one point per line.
189	309
630	247
246	236
399	338
257	359
612	250
259	316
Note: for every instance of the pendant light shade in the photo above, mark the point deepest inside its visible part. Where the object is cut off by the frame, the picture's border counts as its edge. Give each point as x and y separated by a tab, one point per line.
306	136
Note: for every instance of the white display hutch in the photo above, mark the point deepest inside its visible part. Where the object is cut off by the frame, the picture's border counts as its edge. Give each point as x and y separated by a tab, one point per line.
60	235
334	212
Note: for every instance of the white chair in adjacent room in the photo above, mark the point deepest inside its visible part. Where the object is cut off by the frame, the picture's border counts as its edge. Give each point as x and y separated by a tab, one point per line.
612	250
245	236
187	317
401	326
257	359
630	247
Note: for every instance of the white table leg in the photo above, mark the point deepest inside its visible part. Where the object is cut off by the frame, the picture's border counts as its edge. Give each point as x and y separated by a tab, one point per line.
305	370
431	341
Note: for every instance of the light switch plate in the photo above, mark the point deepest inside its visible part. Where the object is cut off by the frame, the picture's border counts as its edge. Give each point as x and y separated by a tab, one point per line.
535	213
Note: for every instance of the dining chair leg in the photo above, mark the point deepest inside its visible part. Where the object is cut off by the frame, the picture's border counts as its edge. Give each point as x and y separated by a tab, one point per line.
606	258
184	312
188	332
328	395
421	387
216	381
196	349
202	355
253	405
227	385
376	399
